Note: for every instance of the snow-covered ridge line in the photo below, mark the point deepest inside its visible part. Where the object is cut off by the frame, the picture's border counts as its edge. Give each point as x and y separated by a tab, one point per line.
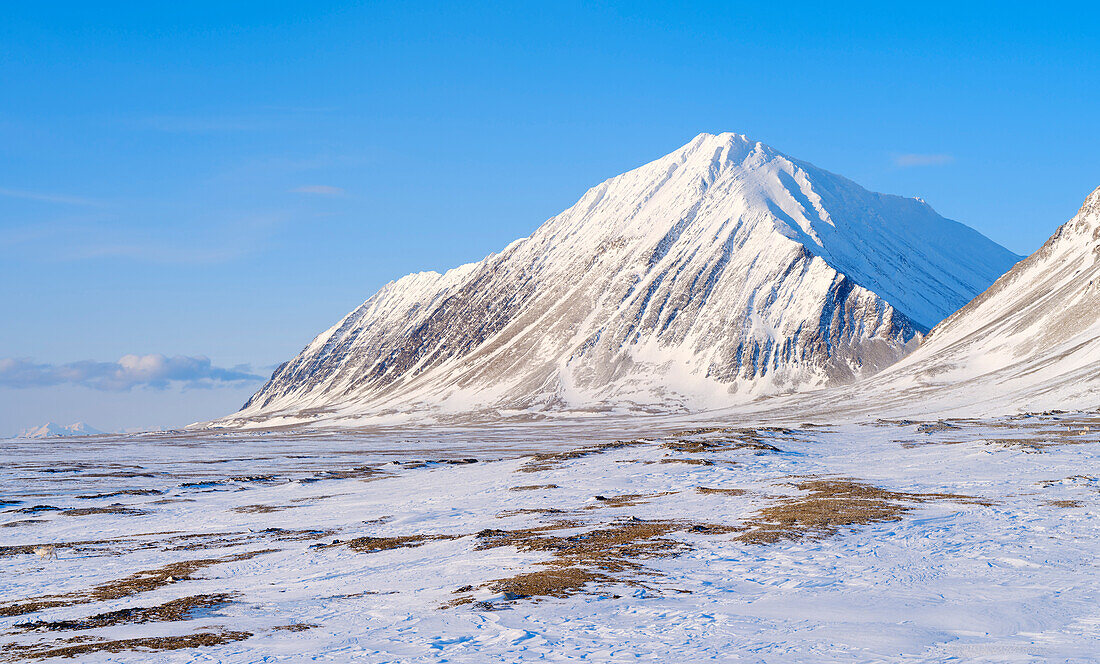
1029	343
716	274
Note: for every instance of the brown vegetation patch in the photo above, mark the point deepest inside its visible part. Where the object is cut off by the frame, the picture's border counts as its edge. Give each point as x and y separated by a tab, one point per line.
21	522
692	446
1064	503
123	492
84	645
529	510
701	431
260	509
113	509
626	499
936	427
357	472
200	541
310	499
533	487
283	535
831	504
690	462
614	553
139	582
372	544
36	509
175	610
20	549
296	627
550	460
550	582
706	446
720	492
910	444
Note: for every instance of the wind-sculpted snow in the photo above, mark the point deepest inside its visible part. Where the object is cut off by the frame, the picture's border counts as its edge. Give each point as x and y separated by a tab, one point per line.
716	274
938	541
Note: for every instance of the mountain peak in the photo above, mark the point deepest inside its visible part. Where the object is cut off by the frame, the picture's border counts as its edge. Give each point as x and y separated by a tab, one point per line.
54	430
723	270
1091	206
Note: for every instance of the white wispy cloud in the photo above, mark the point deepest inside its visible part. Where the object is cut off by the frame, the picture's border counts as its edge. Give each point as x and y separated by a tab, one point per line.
912	159
49	198
319	190
154	371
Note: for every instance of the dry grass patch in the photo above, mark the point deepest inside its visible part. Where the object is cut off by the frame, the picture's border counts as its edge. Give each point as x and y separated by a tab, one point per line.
296	627
260	509
310	499
373	544
720	492
626	499
201	541
614	553
706	446
136	583
701	431
84	645
1064	503
358	472
691	462
175	610
533	487
831	504
551	460
529	510
21	549
550	582
113	509
123	492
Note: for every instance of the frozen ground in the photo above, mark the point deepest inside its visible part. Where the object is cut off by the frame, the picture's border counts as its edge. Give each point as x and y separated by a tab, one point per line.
887	541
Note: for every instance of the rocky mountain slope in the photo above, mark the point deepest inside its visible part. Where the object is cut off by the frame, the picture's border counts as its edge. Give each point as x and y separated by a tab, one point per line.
1031	342
720	272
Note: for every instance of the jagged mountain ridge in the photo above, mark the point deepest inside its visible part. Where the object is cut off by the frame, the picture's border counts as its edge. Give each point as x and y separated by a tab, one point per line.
724	268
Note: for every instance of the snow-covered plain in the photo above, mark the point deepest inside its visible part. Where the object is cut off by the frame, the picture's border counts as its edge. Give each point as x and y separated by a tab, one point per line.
1002	569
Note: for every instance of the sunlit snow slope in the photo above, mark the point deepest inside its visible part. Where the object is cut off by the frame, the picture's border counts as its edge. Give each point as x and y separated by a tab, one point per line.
720	272
1029	343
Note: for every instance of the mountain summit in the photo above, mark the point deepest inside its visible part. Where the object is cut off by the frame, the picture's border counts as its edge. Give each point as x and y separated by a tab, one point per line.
720	272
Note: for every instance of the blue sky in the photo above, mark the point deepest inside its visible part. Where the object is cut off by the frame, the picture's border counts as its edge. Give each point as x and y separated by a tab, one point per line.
225	180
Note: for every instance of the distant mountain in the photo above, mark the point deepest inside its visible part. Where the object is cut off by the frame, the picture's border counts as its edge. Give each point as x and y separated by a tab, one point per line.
54	430
716	274
1031	342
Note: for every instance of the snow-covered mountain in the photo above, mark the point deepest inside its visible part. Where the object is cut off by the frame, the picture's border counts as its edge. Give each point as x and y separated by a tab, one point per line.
720	272
1031	342
54	430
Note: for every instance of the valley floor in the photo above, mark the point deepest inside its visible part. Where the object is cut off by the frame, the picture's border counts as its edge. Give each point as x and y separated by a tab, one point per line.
884	541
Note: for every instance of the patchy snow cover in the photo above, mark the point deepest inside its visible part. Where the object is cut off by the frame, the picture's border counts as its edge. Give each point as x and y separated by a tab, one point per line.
888	541
718	273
